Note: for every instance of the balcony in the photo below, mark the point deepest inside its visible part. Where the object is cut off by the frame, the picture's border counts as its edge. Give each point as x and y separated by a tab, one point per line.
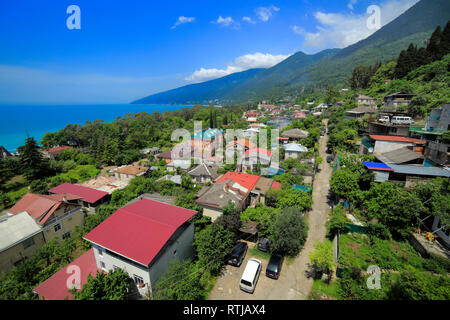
54	219
423	130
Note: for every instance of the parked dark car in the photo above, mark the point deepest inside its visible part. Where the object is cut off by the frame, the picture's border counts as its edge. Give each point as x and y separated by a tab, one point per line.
264	244
238	254
274	266
329	159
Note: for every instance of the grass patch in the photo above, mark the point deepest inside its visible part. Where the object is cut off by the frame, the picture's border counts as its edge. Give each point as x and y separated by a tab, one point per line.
77	175
320	288
360	251
258	253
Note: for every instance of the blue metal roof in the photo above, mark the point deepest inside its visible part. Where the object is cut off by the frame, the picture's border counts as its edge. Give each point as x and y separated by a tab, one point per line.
377	166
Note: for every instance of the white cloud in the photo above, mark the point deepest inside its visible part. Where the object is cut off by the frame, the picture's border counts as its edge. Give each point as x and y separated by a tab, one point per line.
227	22
351	3
265	13
248	19
340	30
183	20
242	63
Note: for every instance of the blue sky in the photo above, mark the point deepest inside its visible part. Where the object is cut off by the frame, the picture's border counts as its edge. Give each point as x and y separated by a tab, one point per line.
129	49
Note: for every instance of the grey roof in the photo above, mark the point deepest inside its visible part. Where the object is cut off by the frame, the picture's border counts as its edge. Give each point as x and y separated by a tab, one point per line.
183	164
205	170
295	147
175	179
263	185
420	171
17	228
362	96
155	197
295	133
218	196
398	156
363	110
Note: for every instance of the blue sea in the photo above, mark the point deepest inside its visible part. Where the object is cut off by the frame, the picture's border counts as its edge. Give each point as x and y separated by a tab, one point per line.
18	121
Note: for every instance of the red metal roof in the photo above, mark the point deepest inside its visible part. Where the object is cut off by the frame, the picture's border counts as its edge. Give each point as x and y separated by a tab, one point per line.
37	206
55	287
87	194
396	139
139	230
246	180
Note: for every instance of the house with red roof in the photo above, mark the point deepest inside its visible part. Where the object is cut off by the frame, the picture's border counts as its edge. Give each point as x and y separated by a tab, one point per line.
142	238
45	216
241	189
72	276
89	198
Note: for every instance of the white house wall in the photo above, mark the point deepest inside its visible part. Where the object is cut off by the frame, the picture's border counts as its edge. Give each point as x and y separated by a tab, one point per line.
180	249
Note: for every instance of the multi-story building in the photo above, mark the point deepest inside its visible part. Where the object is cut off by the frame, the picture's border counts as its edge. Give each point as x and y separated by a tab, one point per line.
142	238
50	216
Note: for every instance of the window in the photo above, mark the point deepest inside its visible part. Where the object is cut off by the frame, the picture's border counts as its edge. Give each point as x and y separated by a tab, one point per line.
57	227
100	252
28	243
102	264
66	235
138	280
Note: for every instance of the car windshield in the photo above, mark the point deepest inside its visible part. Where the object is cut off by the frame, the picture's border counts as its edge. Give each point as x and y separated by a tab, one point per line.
273	262
237	249
245	282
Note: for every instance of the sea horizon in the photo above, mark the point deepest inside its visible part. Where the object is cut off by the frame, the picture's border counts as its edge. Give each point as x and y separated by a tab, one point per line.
19	121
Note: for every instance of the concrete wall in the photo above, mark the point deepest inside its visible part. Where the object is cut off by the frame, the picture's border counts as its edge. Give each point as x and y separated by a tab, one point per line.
16	253
178	247
290	155
68	223
213	213
111	260
441	233
386	146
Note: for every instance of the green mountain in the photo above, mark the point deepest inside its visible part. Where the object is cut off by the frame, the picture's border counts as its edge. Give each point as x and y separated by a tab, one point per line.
413	26
329	66
201	92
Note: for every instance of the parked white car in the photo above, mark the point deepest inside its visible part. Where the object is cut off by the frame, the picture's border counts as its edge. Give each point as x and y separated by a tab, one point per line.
251	275
384	119
402	120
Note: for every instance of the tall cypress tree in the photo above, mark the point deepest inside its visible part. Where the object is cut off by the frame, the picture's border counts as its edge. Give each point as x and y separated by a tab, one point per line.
401	69
445	40
433	47
211	120
31	161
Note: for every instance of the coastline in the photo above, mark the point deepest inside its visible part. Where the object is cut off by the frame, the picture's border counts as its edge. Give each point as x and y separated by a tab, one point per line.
18	121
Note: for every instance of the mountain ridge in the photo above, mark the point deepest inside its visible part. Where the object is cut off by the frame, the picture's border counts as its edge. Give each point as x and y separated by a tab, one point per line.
334	66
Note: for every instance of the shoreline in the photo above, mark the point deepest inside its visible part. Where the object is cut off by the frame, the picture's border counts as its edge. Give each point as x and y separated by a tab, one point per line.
36	120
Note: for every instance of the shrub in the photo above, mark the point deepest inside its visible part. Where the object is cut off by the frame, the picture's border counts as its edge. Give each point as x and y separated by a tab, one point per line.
289	232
